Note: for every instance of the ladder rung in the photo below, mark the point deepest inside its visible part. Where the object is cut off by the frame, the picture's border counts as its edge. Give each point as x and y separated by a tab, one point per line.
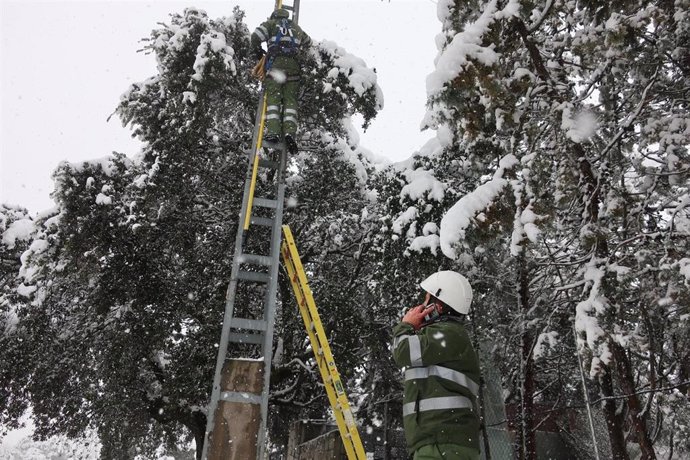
268	164
265	203
254	276
256	259
265	221
244	337
240	397
251	324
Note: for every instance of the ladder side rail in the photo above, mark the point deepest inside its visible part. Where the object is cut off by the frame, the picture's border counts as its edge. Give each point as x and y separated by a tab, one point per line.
313	311
319	356
334	375
344	425
295	11
270	302
257	137
332	379
231	290
225	331
294	8
258	117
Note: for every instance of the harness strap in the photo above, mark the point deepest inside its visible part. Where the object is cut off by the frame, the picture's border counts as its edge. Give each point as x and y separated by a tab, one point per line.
278	48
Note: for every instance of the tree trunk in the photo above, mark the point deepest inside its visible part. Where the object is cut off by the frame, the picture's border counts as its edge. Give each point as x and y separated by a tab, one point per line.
198	428
637	419
614	422
527	436
591	201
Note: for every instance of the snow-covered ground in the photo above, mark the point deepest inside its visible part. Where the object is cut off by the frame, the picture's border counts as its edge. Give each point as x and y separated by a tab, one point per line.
18	445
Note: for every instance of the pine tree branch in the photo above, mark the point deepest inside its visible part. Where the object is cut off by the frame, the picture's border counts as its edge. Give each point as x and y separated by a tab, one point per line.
540	20
655	390
534	53
632	117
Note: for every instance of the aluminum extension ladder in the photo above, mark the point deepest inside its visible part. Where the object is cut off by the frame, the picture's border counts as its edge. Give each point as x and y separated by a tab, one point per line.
322	351
255	266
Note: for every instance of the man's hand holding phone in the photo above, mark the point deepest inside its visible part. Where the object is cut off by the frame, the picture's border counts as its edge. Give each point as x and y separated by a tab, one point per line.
415	316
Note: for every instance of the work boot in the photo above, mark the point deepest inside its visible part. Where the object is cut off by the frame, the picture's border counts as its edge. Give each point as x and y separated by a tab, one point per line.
272	139
290	144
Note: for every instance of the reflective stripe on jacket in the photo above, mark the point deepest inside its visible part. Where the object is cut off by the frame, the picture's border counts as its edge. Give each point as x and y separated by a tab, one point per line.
441	372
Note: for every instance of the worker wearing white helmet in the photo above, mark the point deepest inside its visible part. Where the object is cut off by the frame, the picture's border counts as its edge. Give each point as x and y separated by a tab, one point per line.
441	372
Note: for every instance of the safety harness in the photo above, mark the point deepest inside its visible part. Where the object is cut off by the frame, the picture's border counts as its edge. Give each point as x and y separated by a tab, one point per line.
282	47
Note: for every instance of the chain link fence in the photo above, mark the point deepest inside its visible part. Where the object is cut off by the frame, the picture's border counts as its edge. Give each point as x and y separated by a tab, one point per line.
579	431
575	431
497	441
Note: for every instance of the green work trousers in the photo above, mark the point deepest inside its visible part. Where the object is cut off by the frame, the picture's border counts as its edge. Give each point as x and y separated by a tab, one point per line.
281	104
445	452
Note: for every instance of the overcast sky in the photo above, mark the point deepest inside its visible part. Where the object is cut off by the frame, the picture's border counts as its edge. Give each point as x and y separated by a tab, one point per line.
65	64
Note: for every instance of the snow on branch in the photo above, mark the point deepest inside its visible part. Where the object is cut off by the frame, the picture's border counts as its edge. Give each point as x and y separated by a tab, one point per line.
360	77
213	43
459	217
466	46
684	267
589	331
430	242
422	184
545	341
524	226
404	219
579	126
19	230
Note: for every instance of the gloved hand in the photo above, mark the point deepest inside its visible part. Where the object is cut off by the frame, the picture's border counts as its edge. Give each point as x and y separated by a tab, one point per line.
415	315
259	52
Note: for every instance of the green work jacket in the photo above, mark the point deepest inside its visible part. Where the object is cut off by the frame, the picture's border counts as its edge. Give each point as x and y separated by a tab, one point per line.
441	384
268	32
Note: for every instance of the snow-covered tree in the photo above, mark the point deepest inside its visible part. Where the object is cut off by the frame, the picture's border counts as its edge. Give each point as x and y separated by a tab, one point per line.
16	231
127	286
569	123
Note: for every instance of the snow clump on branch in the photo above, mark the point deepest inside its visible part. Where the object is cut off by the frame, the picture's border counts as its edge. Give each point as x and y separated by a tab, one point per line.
213	43
422	184
360	77
459	217
19	230
466	45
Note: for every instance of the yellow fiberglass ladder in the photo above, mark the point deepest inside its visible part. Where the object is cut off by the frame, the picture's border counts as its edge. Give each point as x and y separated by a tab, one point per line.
322	351
238	410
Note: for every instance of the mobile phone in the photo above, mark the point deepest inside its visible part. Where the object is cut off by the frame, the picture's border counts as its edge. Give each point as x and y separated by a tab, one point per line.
433	314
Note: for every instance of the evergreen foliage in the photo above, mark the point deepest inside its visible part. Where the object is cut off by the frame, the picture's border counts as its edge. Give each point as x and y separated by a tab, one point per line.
557	183
16	226
582	196
119	334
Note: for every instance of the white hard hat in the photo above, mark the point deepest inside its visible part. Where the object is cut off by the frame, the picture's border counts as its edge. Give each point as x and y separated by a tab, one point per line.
451	288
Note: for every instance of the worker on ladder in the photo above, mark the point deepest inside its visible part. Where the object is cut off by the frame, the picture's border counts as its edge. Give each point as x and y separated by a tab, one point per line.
285	41
441	372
